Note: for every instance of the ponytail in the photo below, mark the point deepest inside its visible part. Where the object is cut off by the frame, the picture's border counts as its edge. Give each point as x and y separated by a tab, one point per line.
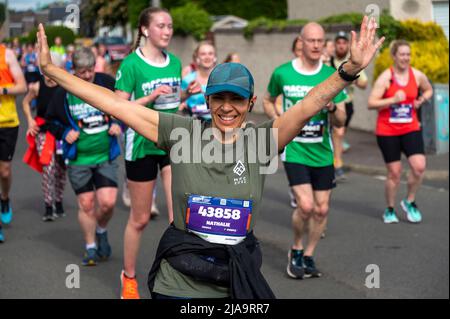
138	39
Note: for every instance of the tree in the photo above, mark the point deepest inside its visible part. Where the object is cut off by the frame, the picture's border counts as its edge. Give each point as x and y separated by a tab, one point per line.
107	12
247	9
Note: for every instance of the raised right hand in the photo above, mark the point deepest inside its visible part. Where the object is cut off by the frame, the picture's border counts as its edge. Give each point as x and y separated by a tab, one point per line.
72	136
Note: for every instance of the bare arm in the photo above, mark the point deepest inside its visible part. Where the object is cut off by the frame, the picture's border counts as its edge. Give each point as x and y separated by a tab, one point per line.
339	116
269	106
143	120
32	94
33	90
362	51
425	87
376	100
20	86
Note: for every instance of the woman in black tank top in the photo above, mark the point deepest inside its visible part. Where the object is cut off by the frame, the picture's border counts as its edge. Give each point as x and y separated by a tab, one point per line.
53	174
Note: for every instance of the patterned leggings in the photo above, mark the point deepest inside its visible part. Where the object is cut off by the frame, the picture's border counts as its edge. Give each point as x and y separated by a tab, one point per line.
53	176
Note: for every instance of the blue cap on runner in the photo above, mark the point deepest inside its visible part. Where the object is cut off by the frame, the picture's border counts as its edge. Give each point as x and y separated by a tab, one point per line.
230	77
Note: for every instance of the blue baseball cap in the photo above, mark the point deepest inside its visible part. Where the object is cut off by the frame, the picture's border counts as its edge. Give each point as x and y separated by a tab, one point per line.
230	77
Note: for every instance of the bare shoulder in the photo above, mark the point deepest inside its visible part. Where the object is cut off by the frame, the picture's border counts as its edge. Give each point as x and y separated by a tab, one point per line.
384	78
418	74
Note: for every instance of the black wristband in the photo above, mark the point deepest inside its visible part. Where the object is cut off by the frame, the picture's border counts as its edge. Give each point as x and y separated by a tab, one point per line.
5	91
344	75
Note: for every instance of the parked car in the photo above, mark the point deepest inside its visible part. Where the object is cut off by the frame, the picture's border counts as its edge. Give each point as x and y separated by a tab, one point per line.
117	47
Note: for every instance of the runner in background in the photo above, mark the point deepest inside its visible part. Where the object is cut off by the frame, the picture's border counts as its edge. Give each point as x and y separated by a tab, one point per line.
12	83
397	95
205	59
30	64
91	148
45	152
308	159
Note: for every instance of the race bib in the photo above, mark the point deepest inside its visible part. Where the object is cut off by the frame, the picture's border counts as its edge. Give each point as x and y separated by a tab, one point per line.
31	68
401	113
94	124
311	132
168	101
59	147
201	109
218	220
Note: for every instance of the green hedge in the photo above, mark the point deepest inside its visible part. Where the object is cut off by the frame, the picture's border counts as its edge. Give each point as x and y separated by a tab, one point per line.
429	50
191	19
246	9
66	34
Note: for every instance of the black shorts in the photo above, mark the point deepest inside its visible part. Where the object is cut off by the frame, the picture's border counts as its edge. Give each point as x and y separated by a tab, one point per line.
146	169
320	178
87	178
31	77
8	140
392	146
349	112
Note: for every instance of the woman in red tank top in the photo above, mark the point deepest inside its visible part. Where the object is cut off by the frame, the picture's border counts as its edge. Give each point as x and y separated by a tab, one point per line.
395	96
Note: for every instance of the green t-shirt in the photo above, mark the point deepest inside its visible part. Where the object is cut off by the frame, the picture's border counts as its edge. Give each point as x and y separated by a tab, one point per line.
313	146
139	77
239	178
94	140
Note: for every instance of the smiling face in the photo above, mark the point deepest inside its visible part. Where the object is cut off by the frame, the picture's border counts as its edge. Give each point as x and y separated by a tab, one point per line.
402	58
206	56
160	30
228	110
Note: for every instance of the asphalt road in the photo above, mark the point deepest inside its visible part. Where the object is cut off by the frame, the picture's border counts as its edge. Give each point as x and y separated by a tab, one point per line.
413	259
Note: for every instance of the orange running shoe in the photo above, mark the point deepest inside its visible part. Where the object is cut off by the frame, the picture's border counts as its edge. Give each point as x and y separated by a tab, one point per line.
129	287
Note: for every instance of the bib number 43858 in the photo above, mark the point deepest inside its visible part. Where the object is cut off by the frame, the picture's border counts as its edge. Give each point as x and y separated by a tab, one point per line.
217	212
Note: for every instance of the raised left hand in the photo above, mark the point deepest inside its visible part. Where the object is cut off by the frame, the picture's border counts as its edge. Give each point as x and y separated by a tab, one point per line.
364	47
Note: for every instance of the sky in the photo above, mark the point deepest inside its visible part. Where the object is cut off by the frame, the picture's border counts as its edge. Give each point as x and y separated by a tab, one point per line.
20	5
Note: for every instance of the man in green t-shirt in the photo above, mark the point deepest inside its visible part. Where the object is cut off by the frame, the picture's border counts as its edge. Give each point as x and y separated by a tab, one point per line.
91	148
308	159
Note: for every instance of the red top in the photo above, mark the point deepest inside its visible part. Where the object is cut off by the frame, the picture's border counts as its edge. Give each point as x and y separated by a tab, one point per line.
400	118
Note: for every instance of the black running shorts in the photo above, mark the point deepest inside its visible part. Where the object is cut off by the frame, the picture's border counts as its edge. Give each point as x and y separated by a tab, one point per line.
392	147
320	178
146	169
8	140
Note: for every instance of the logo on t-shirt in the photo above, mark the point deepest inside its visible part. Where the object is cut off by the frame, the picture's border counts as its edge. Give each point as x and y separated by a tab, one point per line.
239	169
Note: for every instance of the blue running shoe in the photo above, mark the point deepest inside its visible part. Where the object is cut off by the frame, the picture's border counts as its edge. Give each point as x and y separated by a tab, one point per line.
90	257
2	238
310	268
389	216
411	210
104	248
6	212
295	264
